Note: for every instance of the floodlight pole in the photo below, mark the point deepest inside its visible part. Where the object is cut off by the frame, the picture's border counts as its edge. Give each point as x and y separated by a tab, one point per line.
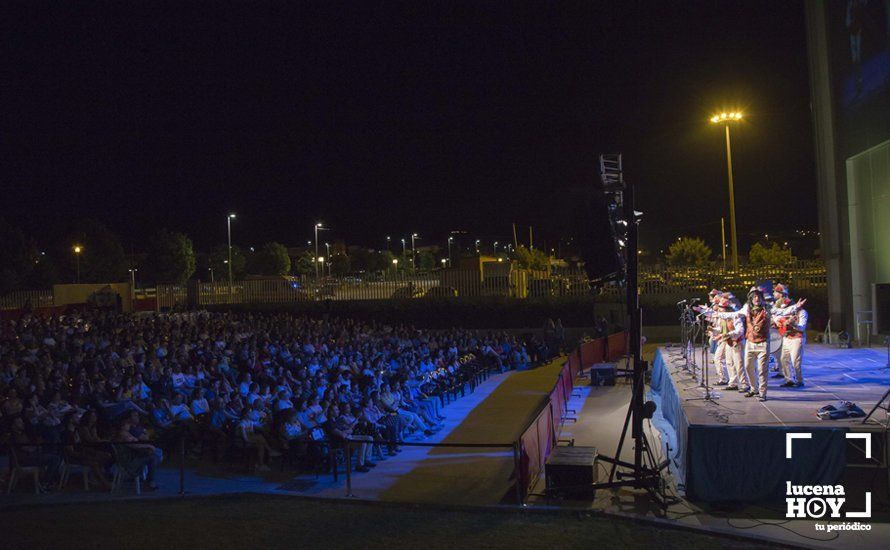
735	242
644	472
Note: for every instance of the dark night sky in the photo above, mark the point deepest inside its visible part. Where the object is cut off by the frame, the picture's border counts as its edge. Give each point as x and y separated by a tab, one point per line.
399	118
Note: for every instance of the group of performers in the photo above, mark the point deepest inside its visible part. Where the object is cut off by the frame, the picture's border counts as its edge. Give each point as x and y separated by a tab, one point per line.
741	342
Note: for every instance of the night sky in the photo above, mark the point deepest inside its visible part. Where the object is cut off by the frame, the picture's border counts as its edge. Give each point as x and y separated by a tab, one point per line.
401	117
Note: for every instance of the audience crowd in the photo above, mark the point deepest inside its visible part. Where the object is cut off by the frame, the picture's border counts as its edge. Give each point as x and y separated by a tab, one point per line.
101	388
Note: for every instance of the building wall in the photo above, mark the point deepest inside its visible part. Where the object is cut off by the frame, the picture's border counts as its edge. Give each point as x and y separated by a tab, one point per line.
849	59
868	192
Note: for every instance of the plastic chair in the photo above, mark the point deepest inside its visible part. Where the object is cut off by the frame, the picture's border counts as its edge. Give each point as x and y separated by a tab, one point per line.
16	470
69	465
126	468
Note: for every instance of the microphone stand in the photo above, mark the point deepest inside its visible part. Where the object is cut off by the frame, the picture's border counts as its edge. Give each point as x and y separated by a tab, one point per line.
705	353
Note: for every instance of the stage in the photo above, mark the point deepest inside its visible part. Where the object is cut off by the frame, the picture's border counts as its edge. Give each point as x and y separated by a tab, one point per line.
732	449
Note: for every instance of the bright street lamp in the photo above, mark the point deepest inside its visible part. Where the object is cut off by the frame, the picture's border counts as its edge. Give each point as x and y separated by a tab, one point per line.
450	240
229	219
133	281
77	250
413	252
318	226
725	119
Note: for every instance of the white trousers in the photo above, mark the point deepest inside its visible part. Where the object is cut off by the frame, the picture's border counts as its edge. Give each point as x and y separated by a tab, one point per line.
757	354
732	357
792	357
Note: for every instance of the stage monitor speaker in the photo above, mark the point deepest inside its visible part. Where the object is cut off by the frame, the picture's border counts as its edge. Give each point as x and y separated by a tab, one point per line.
881	308
571	470
603	374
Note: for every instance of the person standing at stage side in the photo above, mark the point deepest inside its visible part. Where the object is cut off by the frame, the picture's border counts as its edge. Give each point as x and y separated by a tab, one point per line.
730	333
793	329
714	322
780	294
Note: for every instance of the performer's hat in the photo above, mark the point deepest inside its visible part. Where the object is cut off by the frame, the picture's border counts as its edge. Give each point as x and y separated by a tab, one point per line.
781	289
714	292
724	303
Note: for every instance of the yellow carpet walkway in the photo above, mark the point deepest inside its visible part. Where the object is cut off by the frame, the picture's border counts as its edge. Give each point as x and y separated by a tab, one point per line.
480	476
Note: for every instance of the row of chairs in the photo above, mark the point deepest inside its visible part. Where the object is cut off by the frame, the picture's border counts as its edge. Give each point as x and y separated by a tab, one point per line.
123	471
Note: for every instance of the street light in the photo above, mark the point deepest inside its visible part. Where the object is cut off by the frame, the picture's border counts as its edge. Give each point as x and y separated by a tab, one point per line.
77	250
443	262
725	119
477	246
387	242
210	269
318	226
229	219
133	282
404	252
413	252
328	247
495	248
450	240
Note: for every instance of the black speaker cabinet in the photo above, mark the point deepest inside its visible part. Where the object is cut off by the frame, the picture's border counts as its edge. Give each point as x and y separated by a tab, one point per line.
571	470
603	374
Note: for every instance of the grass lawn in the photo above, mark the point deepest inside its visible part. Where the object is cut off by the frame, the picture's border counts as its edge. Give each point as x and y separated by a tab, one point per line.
264	521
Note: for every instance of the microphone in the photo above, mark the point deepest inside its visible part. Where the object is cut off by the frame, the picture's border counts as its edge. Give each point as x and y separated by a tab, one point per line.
681	302
696	300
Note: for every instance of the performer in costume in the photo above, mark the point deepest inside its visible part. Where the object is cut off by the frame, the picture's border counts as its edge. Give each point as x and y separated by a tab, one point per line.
729	334
780	294
758	315
793	329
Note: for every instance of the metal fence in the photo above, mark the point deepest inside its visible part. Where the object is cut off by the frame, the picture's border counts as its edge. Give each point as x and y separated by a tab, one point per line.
21	299
498	280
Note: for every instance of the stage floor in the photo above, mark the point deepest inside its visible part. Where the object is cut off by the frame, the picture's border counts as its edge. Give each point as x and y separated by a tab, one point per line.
830	375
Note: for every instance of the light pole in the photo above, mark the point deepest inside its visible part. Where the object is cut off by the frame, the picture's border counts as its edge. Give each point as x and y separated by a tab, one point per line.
404	252
387	242
395	266
316	228
725	119
495	248
413	253
320	261
77	250
210	269
328	249
450	239
477	246
229	219
133	282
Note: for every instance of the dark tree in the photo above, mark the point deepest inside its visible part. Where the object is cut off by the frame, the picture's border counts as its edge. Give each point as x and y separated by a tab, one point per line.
271	259
340	264
102	257
219	257
171	257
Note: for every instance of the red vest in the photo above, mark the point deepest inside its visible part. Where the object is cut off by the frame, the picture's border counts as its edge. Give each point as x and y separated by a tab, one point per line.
758	326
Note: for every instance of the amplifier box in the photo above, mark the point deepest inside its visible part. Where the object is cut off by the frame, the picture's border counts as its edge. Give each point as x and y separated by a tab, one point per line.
571	470
603	374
